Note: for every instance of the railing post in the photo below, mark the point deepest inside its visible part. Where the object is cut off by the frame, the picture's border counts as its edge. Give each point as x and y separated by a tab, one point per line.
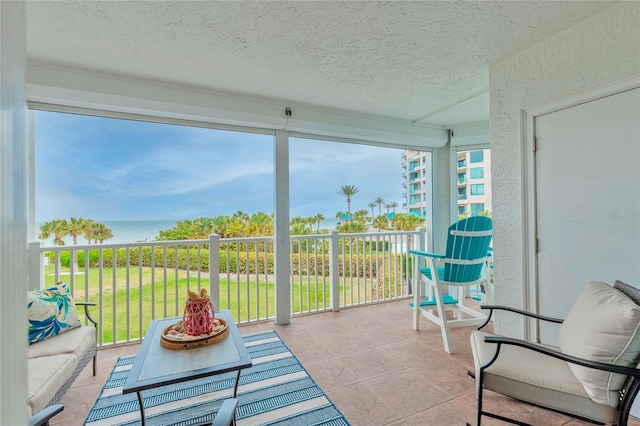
334	272
35	266
418	241
214	270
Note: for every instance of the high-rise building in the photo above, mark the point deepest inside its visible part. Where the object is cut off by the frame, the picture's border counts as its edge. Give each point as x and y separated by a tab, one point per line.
417	184
473	182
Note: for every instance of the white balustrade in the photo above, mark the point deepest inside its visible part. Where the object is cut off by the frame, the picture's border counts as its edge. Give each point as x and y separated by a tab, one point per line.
133	283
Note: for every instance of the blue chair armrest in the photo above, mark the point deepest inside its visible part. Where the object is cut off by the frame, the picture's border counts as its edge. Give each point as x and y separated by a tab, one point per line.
227	413
42	417
424	253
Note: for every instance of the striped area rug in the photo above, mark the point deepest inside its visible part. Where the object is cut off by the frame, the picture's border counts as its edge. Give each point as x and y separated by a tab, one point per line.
277	390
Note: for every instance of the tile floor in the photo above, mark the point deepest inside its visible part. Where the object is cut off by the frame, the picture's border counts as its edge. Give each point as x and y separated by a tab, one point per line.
371	364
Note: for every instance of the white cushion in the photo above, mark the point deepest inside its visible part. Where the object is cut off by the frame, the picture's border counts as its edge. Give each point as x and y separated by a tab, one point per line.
46	376
540	379
75	342
602	326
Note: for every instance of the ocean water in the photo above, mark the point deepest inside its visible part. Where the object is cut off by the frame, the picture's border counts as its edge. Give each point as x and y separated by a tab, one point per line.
126	231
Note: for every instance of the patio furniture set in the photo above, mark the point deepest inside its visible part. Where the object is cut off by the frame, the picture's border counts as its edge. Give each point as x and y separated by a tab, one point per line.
592	374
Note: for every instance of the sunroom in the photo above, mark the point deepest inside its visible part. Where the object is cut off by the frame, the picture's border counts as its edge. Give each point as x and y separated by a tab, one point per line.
541	84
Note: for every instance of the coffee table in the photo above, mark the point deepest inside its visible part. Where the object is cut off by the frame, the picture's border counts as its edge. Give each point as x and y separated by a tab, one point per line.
157	366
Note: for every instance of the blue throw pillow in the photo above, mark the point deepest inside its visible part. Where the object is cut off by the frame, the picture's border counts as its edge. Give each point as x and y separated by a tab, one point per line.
50	312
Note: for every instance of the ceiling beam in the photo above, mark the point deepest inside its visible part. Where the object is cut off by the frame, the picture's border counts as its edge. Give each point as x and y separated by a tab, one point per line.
51	84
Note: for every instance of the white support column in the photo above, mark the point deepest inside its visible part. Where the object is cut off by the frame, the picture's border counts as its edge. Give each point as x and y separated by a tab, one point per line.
442	198
35	264
13	215
281	245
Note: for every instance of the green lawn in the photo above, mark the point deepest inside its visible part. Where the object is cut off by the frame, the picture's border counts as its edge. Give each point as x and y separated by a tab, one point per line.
145	296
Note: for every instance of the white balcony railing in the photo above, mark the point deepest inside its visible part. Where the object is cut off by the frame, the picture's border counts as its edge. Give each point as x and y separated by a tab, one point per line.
134	283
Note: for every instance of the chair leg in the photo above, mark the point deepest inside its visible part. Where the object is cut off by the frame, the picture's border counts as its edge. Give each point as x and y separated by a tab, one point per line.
442	314
461	298
417	287
416	307
479	392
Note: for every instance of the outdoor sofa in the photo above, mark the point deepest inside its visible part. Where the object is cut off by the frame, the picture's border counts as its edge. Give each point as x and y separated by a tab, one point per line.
60	346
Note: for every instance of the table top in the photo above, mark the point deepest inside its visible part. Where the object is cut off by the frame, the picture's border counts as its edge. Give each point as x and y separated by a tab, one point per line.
156	366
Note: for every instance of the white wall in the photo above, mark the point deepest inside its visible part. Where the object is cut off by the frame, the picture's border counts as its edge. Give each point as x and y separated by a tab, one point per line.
591	54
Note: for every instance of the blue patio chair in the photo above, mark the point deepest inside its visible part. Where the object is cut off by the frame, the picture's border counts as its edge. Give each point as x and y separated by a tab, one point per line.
463	266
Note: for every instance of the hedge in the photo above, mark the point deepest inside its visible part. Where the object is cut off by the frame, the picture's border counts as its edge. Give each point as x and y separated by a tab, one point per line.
239	262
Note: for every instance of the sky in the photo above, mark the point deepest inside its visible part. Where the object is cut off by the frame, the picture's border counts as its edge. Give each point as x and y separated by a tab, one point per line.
111	169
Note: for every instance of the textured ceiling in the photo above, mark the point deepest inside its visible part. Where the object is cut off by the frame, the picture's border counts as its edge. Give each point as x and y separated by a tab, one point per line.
416	61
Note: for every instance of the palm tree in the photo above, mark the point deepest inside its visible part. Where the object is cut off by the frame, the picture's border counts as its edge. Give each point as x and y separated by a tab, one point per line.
380	222
100	233
87	229
348	191
371	205
352	227
238	224
311	220
76	227
393	206
407	222
57	228
240	215
319	218
379	201
221	225
261	224
298	226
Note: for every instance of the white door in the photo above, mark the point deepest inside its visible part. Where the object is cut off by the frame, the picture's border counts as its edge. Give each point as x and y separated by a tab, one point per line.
587	200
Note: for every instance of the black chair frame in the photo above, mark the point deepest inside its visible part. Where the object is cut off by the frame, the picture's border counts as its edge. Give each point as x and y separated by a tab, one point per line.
93	321
627	396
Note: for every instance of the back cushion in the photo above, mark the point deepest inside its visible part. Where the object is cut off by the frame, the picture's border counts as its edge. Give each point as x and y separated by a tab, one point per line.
602	326
50	312
630	291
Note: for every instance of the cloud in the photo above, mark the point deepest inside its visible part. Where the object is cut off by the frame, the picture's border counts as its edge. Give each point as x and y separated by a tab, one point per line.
110	169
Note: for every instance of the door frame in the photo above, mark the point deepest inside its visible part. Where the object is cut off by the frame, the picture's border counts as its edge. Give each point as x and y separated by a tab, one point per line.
528	176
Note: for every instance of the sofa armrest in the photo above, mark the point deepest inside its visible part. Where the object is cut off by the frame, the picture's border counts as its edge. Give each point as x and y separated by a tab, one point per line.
86	311
42	418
